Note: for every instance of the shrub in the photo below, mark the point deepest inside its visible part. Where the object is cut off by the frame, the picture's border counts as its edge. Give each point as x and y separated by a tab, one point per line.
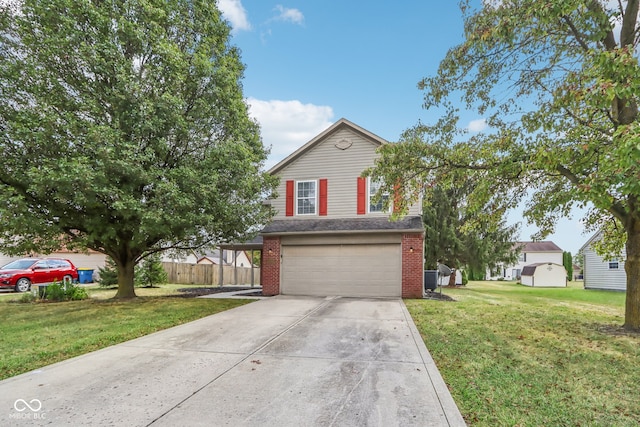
27	297
465	279
150	272
108	274
64	292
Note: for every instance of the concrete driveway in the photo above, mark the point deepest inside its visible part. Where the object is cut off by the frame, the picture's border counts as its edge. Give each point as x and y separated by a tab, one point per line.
281	361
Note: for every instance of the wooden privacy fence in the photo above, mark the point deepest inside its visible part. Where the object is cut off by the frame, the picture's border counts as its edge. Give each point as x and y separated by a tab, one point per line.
209	274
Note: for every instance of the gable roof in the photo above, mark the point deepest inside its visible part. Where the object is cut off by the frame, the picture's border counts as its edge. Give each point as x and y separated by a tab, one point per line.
529	270
593	238
543	246
340	124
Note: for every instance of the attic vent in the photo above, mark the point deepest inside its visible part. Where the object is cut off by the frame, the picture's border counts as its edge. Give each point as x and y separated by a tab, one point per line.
343	144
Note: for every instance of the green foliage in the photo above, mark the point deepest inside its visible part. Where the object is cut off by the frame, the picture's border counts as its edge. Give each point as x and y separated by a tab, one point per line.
559	90
150	272
108	275
58	291
125	130
478	274
567	261
27	297
457	235
465	278
257	258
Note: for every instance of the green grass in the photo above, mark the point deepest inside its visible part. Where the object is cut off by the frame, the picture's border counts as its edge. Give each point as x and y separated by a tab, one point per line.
519	356
38	334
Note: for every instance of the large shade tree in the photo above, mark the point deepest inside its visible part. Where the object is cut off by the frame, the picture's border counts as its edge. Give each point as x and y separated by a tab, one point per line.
123	129
558	83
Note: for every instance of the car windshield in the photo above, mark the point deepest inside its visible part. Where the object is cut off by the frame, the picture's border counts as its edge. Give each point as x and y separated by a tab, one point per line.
20	264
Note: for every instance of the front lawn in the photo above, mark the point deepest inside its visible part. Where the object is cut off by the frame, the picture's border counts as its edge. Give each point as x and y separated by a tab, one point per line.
38	334
520	356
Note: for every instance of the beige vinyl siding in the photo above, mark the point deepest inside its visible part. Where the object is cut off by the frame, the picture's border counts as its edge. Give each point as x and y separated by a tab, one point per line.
93	260
5	259
598	275
340	167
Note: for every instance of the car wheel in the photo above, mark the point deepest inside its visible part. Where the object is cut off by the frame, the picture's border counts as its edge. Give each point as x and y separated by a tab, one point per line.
23	285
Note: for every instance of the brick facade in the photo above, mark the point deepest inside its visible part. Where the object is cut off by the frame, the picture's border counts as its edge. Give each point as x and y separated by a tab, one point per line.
412	265
270	266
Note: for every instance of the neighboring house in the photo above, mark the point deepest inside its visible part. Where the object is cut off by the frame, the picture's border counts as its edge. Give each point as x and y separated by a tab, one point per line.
601	273
530	253
91	259
328	237
182	258
577	272
229	257
544	274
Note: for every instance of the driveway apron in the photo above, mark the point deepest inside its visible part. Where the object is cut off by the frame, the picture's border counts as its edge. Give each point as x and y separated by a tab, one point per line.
280	361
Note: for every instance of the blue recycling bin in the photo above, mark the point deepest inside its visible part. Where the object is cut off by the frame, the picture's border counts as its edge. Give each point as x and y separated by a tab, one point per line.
85	275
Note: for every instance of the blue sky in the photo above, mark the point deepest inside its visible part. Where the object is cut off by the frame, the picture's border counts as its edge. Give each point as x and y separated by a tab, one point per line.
310	63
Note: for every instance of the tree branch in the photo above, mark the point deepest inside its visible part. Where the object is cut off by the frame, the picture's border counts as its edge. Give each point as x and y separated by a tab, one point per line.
579	37
629	23
609	40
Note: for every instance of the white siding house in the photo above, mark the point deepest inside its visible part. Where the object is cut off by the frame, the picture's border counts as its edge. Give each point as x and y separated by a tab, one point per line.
545	274
181	258
229	257
601	273
530	253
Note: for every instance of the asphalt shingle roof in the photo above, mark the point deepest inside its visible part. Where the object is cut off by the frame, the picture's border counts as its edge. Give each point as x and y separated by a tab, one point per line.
543	246
412	223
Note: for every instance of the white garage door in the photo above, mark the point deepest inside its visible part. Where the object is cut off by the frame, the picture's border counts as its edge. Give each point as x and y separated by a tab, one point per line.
360	270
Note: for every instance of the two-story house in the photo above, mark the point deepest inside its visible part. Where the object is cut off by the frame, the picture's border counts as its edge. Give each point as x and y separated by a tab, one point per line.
328	237
530	253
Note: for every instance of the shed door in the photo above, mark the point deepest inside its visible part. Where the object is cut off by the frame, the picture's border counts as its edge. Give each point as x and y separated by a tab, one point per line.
358	270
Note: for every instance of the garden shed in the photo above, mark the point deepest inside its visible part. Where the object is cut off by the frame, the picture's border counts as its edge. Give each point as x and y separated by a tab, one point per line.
544	274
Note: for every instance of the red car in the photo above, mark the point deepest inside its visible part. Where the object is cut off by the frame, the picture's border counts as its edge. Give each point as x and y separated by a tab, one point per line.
22	273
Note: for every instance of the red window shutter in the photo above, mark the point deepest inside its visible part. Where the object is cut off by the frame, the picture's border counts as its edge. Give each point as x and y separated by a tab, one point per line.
323	197
289	199
397	198
362	195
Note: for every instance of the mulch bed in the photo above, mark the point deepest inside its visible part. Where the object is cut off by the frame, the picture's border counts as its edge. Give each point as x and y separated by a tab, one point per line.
437	296
197	292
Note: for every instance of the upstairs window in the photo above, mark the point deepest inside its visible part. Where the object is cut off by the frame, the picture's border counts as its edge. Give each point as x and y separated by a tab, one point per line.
306	197
522	257
374	186
614	264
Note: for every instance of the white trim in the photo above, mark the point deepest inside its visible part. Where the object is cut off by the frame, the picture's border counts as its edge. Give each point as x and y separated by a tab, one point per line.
316	196
369	197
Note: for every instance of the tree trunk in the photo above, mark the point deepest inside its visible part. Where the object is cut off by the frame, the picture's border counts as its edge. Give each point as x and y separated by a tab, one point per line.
126	289
632	268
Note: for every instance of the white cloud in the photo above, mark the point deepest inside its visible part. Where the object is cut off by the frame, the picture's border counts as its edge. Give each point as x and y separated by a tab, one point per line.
477	125
235	13
287	125
289	15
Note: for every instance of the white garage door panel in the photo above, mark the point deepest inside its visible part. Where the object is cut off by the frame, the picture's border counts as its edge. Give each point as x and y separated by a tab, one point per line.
347	270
